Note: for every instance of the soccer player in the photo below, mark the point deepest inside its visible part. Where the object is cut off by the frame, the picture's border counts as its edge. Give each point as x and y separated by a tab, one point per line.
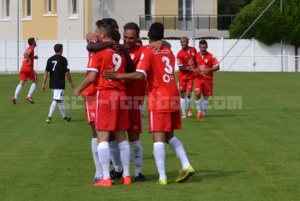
186	62
27	71
111	112
57	66
163	102
206	64
139	42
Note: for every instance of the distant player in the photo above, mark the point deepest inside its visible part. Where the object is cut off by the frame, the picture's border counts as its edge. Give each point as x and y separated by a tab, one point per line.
163	102
186	62
206	64
111	112
27	71
57	66
139	42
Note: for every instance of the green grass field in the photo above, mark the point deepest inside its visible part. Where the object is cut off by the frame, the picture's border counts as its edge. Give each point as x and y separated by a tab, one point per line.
249	152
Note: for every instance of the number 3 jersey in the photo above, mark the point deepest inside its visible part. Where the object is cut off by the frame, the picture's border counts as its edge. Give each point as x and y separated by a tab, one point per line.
158	68
57	65
102	60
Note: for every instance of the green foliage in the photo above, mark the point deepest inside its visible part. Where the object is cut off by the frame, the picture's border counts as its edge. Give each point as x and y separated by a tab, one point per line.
248	154
231	6
272	26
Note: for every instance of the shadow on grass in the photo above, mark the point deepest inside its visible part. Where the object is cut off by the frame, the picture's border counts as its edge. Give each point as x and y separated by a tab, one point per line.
197	177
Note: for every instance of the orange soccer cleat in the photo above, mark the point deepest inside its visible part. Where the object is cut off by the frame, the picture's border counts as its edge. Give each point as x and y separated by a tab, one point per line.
126	180
103	182
198	115
29	99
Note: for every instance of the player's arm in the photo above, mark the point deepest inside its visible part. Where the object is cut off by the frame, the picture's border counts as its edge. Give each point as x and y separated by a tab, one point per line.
111	74
44	81
184	68
95	47
215	68
27	57
90	78
158	44
68	74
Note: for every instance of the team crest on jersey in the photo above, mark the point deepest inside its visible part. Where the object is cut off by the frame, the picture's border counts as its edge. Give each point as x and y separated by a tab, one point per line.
205	60
193	53
93	115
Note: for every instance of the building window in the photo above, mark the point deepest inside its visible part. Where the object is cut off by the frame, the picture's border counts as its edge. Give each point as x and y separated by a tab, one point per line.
49	6
185	10
7	8
74	7
28	8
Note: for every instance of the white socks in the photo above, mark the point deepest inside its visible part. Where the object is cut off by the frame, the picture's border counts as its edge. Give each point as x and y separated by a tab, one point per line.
136	150
205	105
182	103
198	104
160	155
31	90
189	101
52	108
115	155
62	109
125	157
18	89
94	144
103	153
179	151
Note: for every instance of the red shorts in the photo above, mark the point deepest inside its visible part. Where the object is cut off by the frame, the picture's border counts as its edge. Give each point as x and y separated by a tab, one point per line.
90	109
24	75
135	120
185	85
165	122
112	110
205	86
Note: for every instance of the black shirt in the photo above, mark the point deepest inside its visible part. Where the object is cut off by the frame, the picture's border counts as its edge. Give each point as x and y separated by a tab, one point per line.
57	65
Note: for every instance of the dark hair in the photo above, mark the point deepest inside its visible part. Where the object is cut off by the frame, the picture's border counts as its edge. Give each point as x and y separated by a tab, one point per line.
134	26
106	26
58	47
113	22
156	31
31	41
139	41
116	37
185	38
203	42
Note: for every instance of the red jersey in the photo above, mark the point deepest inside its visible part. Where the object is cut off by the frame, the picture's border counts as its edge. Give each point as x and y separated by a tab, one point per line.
136	88
158	67
206	61
100	61
25	67
186	58
90	90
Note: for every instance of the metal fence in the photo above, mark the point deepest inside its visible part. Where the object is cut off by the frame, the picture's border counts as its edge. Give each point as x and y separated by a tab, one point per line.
180	22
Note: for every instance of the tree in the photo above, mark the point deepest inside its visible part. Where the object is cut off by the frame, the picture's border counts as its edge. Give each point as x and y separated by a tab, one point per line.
231	6
272	26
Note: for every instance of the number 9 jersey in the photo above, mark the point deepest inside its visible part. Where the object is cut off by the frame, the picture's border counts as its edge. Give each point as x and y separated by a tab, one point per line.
158	68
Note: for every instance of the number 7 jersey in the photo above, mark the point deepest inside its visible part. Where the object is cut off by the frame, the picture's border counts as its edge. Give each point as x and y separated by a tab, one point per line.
158	68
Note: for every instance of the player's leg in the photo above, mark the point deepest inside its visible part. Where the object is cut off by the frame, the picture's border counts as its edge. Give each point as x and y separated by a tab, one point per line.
51	110
115	157
104	157
178	149
33	77
125	155
189	96
182	89
60	97
94	145
207	91
160	155
198	90
136	149
18	89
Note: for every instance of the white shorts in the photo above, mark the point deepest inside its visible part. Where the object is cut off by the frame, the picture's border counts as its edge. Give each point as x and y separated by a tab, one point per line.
58	94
